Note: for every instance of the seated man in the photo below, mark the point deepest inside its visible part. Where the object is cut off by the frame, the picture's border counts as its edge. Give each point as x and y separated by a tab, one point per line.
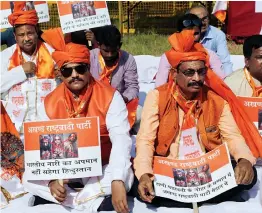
186	22
175	107
12	160
24	63
81	96
112	65
248	81
213	38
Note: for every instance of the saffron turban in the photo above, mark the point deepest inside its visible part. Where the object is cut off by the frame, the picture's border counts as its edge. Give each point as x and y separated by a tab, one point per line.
185	49
21	16
65	53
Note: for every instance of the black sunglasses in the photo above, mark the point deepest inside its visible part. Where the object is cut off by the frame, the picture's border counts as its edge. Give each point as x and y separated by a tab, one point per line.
191	72
190	23
80	69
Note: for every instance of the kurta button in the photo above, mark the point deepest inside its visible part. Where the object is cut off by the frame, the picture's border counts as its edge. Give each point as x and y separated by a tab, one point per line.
165	145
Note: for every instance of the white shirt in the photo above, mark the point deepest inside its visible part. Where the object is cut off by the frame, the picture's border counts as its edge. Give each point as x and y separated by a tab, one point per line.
118	128
16	76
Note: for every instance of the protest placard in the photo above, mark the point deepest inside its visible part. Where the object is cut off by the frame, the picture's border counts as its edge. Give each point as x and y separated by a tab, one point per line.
253	107
194	180
62	149
7	7
82	15
17	104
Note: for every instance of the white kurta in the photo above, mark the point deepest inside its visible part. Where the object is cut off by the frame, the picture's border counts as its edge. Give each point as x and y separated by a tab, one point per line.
29	85
118	168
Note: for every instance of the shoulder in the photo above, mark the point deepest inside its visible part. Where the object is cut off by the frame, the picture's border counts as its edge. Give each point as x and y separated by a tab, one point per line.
49	48
10	50
217	32
235	76
127	57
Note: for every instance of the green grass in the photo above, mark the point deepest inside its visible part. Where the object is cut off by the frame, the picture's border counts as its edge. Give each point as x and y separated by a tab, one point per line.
155	44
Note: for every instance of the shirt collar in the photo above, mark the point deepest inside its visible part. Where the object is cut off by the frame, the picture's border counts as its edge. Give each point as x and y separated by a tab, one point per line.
208	33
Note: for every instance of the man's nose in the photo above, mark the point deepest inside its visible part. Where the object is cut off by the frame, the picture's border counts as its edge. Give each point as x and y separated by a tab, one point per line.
74	73
196	76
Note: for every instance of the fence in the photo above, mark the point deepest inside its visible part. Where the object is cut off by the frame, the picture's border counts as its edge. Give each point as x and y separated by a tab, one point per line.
143	16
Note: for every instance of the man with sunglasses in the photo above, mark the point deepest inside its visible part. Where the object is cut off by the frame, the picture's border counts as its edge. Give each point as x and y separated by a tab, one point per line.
80	95
186	108
213	38
187	22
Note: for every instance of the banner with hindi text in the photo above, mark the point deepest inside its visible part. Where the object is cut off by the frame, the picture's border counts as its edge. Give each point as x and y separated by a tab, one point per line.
62	149
194	180
82	15
7	7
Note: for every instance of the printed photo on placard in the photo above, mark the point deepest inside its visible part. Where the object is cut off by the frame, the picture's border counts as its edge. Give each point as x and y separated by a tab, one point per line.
192	178
83	9
45	147
204	174
180	177
70	145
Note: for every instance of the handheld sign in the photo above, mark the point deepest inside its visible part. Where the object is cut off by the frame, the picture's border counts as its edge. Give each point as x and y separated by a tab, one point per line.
194	180
253	107
82	15
62	149
41	8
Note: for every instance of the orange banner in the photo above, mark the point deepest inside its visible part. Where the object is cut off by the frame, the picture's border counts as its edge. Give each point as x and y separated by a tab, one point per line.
65	7
216	159
252	106
80	127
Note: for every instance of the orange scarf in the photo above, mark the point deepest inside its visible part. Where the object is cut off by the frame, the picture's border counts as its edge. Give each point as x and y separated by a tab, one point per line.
78	108
257	91
106	74
190	107
184	49
44	62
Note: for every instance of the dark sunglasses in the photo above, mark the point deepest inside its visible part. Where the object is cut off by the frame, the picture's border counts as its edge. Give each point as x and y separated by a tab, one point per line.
191	72
80	69
190	23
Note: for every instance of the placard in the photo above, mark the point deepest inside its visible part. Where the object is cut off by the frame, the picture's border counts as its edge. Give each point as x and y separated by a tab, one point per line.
41	8
62	149
82	15
194	180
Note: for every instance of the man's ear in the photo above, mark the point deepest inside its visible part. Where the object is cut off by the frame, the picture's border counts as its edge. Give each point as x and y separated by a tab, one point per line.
247	62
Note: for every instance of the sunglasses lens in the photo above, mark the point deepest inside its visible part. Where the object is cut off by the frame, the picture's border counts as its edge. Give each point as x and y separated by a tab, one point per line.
66	72
187	23
81	69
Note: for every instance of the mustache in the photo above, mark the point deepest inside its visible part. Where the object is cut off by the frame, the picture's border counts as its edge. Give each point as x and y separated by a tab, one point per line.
75	79
195	83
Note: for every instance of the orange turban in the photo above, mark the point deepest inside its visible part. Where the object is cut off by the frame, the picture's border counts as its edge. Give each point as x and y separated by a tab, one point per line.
21	16
184	49
64	53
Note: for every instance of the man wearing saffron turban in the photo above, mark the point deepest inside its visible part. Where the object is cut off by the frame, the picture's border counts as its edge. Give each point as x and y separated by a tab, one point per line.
80	95
24	63
196	103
